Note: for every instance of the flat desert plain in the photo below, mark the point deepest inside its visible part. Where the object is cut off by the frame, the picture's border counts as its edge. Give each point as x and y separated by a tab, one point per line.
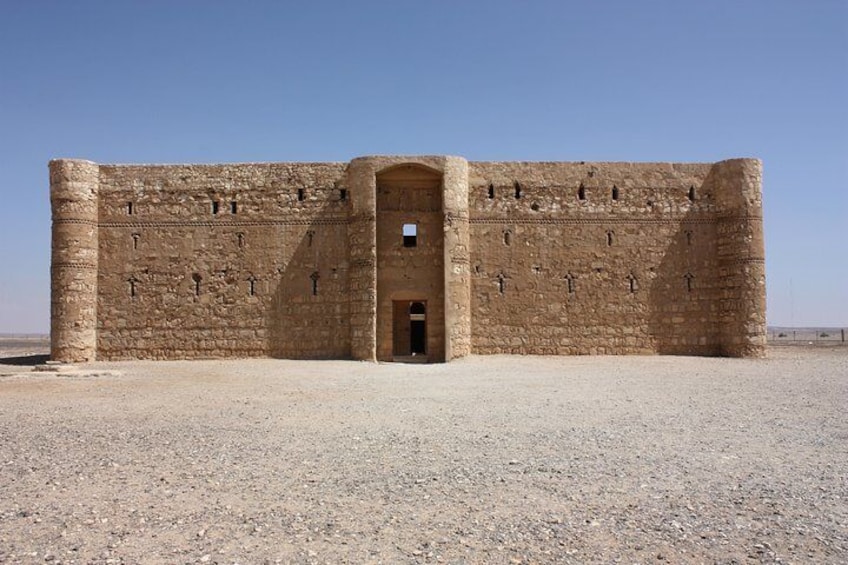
484	460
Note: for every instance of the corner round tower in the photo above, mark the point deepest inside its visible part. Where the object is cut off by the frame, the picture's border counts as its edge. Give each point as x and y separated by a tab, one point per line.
741	256
73	269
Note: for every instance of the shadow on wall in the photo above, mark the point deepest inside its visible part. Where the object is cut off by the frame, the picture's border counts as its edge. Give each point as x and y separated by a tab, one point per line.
684	295
309	315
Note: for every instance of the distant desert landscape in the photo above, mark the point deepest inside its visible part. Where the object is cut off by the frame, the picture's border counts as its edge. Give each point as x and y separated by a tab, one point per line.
489	459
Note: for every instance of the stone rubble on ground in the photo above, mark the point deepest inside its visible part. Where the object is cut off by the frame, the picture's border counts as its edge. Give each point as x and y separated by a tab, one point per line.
487	460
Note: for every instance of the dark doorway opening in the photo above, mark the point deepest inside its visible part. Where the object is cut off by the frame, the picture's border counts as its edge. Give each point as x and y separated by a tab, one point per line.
418	328
409	331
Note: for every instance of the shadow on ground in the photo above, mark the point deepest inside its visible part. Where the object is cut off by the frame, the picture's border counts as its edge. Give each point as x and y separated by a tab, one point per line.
25	360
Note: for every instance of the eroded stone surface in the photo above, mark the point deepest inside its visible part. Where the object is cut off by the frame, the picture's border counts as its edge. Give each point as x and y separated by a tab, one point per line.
308	260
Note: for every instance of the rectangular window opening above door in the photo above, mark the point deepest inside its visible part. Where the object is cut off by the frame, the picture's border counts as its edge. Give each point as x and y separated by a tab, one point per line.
410	235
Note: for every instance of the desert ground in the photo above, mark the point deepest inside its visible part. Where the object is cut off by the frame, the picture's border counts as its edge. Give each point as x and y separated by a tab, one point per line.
484	460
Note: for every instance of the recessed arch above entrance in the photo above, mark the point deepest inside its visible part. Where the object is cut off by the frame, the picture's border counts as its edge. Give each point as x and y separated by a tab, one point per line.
410	273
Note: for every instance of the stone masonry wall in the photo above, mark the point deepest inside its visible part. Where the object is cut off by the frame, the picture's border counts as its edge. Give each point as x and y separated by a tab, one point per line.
223	261
593	258
303	260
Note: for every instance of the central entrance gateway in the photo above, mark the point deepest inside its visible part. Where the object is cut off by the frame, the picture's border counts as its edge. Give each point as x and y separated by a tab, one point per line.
410	264
409	329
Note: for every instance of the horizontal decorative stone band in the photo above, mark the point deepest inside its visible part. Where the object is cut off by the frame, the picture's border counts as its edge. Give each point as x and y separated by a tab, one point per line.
587	221
325	221
605	220
731	218
742	260
73	265
79	221
226	223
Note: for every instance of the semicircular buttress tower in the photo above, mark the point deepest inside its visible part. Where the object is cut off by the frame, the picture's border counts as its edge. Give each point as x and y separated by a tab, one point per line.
73	268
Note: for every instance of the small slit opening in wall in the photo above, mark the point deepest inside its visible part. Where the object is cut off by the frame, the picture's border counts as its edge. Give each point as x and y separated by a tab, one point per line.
196	278
215	206
610	238
581	192
240	239
314	278
342	194
310	236
632	281
692	193
517	190
491	191
233	207
501	283
135	238
251	281
688	238
129	208
615	192
133	282
301	194
569	279
689	284
507	237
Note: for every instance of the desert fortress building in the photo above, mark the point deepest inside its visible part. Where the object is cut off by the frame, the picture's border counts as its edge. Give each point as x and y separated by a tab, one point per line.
417	257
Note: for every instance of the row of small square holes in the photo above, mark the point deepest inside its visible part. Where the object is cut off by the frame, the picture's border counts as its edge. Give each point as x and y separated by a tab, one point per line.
216	207
581	192
301	196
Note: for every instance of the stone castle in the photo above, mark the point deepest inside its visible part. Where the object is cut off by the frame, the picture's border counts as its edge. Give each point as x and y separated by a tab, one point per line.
425	258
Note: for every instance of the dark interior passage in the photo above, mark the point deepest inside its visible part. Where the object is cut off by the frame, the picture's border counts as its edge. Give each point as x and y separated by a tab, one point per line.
418	328
409	328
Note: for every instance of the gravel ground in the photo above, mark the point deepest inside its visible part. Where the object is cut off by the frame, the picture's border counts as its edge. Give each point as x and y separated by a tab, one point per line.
486	460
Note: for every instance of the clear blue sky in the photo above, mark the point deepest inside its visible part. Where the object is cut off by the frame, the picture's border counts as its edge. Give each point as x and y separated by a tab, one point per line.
204	81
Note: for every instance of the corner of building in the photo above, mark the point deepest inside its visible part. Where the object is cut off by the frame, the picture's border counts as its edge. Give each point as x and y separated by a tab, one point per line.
740	247
74	202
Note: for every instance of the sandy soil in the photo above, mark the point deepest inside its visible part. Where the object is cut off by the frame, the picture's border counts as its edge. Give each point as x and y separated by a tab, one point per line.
485	460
